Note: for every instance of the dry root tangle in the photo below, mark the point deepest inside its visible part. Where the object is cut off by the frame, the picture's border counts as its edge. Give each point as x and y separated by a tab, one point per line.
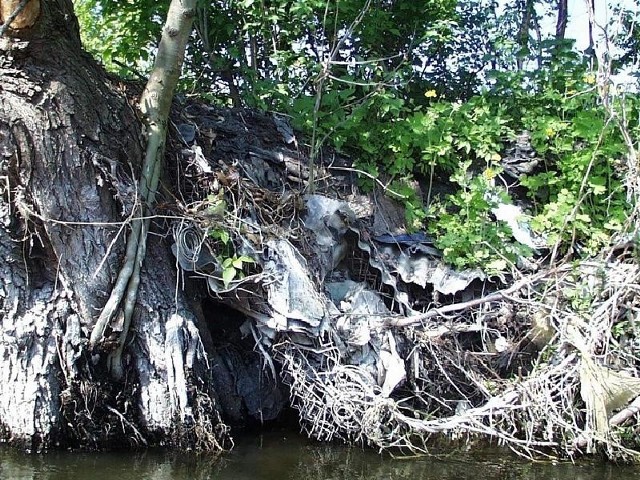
569	335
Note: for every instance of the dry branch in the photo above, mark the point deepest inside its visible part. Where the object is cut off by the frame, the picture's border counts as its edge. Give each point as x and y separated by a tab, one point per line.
457	307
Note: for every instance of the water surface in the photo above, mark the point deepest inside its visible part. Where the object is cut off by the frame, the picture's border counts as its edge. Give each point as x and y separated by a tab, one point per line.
284	455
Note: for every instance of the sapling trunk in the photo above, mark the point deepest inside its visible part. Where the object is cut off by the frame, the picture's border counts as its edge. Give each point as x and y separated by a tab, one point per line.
154	106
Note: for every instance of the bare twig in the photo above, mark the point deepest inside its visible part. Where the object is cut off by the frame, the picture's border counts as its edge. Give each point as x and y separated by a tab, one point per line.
456	307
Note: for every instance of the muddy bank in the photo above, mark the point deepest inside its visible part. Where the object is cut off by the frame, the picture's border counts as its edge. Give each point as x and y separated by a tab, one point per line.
262	292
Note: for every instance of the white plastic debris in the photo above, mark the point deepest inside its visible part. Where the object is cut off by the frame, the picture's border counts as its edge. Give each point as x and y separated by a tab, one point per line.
391	369
518	221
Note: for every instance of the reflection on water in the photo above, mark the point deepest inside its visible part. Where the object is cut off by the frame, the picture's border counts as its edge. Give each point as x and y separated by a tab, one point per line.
287	456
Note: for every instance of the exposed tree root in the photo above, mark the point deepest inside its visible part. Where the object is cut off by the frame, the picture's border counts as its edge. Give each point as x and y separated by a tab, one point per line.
460	386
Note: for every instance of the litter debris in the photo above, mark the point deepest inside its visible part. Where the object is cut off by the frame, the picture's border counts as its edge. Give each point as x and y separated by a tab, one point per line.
347	306
518	222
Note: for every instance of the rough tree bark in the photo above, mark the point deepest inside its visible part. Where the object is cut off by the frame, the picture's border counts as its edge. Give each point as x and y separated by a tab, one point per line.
592	46
70	147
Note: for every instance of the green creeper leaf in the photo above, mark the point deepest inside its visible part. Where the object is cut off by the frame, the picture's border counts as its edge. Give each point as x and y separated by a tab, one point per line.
228	274
237	263
498	265
224	236
598	185
246	259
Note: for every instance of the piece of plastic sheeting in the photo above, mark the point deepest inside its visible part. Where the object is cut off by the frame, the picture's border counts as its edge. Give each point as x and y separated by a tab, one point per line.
361	311
391	370
295	301
448	281
518	222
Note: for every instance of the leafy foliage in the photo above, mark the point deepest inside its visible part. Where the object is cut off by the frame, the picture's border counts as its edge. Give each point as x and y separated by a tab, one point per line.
627	40
434	91
464	225
122	35
576	198
232	268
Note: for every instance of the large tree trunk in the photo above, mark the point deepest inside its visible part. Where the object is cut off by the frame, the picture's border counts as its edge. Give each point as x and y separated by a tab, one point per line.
70	147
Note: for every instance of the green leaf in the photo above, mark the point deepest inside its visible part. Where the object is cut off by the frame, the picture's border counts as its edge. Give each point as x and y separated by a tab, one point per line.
246	259
497	265
598	185
228	274
237	263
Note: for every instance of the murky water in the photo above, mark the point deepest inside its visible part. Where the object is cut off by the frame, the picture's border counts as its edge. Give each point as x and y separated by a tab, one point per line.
287	456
